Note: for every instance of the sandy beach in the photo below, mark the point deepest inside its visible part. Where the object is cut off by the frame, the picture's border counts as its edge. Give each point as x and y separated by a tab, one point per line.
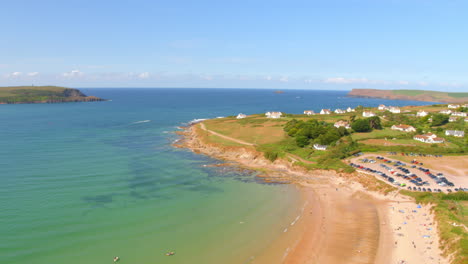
341	221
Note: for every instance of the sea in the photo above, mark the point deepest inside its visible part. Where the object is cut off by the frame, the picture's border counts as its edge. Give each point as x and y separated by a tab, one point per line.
85	182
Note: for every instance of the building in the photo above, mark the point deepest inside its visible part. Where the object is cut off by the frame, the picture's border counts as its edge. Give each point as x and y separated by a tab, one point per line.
459	114
428	138
466	119
368	114
446	111
325	112
422	113
455	133
453	106
340	111
320	147
273	114
382	107
453	119
349	110
404	128
309	112
240	116
342	123
465	105
394	109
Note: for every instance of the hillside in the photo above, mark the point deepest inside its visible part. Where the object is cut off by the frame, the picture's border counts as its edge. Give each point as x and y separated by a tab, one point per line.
415	95
42	94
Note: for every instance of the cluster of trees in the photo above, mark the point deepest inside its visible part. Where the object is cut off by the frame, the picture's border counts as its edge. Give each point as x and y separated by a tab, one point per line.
313	131
366	124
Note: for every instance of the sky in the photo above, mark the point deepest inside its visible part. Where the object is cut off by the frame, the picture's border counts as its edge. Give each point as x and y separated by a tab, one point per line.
336	45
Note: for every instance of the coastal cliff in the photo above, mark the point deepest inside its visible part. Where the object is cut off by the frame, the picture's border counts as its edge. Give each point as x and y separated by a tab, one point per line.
43	94
414	95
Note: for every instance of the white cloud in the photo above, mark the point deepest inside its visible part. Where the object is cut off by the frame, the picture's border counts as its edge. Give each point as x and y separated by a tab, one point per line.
144	75
284	79
308	81
32	74
73	73
423	83
268	78
206	77
403	82
346	80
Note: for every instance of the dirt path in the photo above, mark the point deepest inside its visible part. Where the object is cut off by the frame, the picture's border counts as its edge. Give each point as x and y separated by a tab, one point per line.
225	137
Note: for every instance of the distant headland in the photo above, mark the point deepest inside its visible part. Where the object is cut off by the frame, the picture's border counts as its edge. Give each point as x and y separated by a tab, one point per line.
415	95
43	94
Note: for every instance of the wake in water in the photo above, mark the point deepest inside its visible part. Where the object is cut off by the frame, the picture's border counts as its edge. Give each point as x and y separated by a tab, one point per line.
143	121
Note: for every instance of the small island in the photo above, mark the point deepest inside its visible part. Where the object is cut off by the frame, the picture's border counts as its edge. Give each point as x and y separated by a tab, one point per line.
43	94
414	95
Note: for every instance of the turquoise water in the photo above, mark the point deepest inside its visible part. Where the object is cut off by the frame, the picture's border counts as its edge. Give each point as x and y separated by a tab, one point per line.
83	182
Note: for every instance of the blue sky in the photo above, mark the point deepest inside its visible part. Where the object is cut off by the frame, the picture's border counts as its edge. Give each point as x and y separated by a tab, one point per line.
388	44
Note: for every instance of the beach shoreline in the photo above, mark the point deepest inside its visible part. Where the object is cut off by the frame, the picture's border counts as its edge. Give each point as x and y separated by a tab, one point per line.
340	218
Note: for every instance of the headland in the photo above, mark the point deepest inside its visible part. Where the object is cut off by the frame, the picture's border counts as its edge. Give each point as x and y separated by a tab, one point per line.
351	209
43	94
415	95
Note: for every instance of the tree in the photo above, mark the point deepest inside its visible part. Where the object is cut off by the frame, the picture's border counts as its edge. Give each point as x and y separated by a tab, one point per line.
439	119
374	122
361	125
302	141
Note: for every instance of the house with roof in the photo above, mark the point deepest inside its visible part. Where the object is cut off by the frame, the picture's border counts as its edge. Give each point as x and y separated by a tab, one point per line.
368	114
403	128
340	111
455	133
429	138
422	113
342	123
325	112
446	112
453	119
382	107
459	114
349	110
320	147
394	109
453	106
309	112
273	114
240	116
465	105
466	119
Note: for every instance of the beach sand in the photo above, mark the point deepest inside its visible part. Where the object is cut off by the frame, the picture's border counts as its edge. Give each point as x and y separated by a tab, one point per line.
340	220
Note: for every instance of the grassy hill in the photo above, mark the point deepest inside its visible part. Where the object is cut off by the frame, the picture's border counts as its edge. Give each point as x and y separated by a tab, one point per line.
416	95
42	94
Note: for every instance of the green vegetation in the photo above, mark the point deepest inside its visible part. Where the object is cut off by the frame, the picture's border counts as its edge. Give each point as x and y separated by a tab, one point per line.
42	94
313	131
451	213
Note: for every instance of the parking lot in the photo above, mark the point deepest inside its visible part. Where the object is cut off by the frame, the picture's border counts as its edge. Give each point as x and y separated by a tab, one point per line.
413	175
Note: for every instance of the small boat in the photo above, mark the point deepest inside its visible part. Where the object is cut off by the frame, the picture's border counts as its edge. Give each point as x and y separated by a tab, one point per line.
116	259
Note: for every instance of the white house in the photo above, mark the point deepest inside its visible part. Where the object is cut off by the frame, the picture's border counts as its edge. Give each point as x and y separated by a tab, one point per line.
382	107
404	128
422	113
339	111
453	106
342	123
368	114
428	138
455	133
240	116
466	119
453	119
459	114
320	147
325	112
349	110
394	109
309	112
273	114
446	111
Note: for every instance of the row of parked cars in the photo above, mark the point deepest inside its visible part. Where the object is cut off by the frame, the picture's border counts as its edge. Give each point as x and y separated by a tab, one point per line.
400	170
